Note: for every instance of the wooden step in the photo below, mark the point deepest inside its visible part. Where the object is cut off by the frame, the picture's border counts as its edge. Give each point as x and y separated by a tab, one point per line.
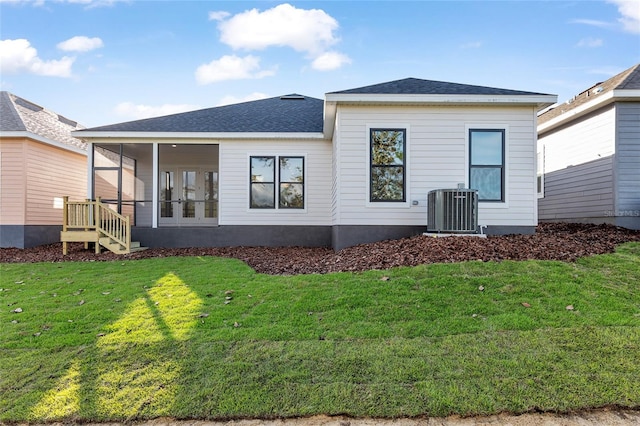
118	248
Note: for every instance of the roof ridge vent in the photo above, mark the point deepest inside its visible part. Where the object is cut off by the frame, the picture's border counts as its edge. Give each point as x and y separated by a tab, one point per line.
293	96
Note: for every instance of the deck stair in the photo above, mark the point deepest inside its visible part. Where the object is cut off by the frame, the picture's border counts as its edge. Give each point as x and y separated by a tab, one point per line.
93	221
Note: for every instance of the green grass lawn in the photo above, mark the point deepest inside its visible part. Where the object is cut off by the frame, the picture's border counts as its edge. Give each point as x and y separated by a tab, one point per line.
208	338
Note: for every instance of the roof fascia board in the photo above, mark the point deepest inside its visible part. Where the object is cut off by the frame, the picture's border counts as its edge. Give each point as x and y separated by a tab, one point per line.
539	100
626	94
599	102
42	139
153	136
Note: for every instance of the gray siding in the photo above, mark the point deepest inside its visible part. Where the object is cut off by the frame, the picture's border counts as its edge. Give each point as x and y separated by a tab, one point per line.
628	159
579	192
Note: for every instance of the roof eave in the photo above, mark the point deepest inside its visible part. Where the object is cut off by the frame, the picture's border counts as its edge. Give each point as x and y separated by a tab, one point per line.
604	99
33	136
87	135
539	100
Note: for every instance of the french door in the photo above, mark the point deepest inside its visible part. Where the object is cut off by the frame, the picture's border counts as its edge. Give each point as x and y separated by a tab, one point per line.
188	197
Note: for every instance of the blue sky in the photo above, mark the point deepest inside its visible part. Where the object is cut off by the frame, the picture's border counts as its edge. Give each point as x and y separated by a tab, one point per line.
107	61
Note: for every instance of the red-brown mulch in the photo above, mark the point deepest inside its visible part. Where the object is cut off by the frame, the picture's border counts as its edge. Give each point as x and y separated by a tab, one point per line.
552	241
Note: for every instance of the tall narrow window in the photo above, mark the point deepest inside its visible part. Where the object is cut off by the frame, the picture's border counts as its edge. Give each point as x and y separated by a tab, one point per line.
388	165
291	179
263	183
486	165
540	173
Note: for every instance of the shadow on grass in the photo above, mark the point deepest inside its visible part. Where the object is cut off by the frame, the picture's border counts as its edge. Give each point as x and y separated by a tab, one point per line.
157	359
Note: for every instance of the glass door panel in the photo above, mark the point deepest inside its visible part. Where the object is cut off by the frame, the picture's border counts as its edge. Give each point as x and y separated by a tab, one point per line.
188	197
210	195
166	194
189	194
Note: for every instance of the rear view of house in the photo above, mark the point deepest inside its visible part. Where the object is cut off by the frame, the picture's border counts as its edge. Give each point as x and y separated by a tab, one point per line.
591	151
353	168
40	162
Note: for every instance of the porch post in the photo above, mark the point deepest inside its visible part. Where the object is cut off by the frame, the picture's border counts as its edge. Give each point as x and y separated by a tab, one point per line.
154	197
90	171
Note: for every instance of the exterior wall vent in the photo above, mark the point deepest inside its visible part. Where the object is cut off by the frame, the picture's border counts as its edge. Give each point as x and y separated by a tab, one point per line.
452	211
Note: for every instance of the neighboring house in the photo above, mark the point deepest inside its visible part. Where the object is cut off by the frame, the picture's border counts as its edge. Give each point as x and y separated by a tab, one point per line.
591	149
40	162
354	168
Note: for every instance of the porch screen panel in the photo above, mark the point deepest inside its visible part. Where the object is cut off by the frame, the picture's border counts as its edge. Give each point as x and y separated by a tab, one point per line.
105	186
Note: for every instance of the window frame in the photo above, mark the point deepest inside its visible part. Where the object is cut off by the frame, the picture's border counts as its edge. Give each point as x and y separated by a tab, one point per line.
502	166
281	182
278	182
252	183
405	187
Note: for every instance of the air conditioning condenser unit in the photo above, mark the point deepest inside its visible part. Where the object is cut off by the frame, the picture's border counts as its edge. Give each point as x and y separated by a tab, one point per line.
452	210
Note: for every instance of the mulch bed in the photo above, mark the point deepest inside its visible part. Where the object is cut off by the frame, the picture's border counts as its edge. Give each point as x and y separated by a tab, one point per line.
552	241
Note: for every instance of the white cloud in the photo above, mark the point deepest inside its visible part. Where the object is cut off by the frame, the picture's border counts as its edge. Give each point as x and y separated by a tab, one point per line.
310	31
230	99
330	61
80	44
471	45
19	56
630	11
606	71
592	22
218	15
590	42
231	67
140	111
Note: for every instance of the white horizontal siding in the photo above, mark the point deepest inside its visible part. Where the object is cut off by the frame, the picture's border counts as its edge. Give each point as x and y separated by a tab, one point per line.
587	139
234	183
437	151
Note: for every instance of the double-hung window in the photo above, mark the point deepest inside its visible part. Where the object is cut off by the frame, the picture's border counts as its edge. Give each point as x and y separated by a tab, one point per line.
276	182
388	165
486	165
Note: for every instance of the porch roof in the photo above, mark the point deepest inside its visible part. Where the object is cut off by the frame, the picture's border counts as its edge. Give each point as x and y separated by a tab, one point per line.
283	114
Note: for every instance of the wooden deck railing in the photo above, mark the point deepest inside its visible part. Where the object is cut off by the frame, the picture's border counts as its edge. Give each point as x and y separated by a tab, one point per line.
90	221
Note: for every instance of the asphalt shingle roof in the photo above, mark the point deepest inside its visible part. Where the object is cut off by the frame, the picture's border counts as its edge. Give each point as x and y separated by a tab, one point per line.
10	120
628	79
20	115
416	86
288	113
